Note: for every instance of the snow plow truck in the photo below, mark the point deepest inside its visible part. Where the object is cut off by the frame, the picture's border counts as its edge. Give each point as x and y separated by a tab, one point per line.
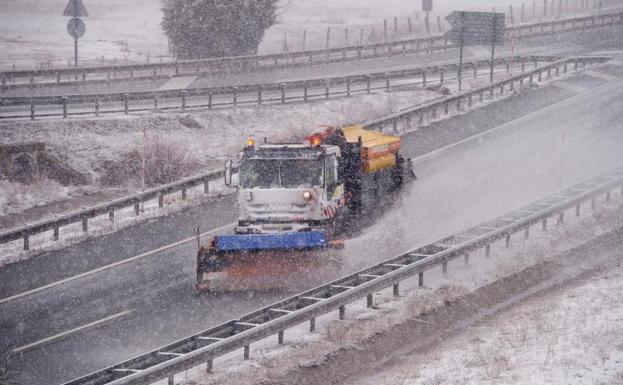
295	200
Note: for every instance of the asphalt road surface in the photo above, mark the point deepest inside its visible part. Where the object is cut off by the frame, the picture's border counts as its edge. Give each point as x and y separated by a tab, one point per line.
534	144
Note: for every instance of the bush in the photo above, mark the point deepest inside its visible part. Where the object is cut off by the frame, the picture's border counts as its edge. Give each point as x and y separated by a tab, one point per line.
165	162
199	29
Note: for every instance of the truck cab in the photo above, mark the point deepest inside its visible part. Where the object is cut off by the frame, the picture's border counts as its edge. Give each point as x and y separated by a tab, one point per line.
288	188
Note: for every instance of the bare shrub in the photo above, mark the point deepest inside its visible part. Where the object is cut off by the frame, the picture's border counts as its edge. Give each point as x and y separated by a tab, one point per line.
165	162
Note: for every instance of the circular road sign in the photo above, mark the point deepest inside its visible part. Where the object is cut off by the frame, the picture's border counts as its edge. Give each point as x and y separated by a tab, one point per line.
76	28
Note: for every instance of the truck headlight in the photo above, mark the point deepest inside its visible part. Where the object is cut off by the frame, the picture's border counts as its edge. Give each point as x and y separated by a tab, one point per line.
307	195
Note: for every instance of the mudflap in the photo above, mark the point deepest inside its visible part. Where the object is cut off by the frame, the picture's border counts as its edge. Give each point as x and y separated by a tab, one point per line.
264	269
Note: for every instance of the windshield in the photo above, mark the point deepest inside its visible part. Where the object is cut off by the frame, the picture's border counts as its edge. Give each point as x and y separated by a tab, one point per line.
285	173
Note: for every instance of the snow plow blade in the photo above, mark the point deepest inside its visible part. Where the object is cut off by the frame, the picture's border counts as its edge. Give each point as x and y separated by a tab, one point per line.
264	261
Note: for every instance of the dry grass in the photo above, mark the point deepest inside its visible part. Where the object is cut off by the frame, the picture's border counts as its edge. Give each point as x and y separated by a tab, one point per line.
165	161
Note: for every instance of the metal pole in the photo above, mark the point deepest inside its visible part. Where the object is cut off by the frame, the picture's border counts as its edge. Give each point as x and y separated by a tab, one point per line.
76	52
493	48
460	74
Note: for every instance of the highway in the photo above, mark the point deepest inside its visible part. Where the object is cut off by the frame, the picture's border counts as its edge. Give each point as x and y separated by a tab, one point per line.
561	45
110	314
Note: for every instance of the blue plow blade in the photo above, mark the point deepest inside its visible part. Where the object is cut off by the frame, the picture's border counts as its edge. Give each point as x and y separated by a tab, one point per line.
286	241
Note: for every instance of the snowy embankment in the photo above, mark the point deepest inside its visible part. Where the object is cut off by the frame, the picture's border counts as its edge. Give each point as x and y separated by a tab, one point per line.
576	339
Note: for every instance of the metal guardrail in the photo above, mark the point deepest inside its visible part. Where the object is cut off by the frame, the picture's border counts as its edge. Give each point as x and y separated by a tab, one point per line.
418	116
25	232
299	58
205	97
389	124
204	347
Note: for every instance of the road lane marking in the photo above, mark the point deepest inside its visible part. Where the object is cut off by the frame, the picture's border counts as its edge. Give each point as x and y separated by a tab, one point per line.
107	267
68	332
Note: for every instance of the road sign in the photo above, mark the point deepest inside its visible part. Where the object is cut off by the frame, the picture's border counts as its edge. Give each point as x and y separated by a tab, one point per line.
76	28
476	28
75	8
427	5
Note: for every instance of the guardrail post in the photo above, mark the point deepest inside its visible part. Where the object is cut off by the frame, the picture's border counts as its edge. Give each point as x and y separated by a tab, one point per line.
348	87
206	186
561	218
421	279
55	233
480	96
155	102
593	203
369	300
446	107
247	352
32	110
458	105
368	82
508	241
126	103
137	208
577	210
502	89
466	259
171	380
421	120
85	224
523	66
544	226
58	77
184	193
235	95
608	196
209	366
512	86
209	100
469	101
184	93
259	95
26	242
342	311
521	83
441	77
283	92
326	89
475	72
97	107
84	76
155	73
111	216
444	268
312	325
395	127
540	76
32	80
557	70
575	65
396	289
161	200
549	73
423	78
488	250
64	99
305	91
536	63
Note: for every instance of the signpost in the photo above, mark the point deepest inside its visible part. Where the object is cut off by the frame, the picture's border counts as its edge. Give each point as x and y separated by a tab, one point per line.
427	6
476	28
75	27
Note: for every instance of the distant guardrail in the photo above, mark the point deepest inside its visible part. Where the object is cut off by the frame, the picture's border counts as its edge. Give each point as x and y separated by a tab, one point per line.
300	58
401	122
259	93
202	348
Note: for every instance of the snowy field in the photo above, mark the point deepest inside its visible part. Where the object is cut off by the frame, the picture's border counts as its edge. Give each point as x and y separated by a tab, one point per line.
573	340
33	32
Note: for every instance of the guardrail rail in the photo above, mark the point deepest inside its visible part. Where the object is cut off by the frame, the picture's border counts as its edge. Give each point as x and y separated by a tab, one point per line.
202	348
259	93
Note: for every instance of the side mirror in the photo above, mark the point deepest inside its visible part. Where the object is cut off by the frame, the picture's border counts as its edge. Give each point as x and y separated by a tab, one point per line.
228	173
